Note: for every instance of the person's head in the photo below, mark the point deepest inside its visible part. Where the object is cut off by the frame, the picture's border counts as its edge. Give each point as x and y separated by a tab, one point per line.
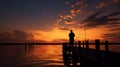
71	31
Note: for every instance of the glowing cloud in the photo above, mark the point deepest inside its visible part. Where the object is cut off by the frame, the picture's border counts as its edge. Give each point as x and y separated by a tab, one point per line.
64	28
70	22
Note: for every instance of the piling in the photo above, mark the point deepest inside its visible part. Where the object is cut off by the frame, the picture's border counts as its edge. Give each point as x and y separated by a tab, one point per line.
106	47
97	46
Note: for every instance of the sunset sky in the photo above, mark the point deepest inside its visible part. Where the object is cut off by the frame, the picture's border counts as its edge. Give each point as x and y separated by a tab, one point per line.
52	20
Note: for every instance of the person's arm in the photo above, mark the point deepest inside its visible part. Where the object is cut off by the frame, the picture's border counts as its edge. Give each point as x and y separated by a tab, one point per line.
74	34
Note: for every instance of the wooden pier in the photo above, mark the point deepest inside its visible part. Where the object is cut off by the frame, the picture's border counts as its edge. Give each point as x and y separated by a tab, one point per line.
77	56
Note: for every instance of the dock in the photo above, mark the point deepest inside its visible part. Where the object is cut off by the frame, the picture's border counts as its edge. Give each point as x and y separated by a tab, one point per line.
77	55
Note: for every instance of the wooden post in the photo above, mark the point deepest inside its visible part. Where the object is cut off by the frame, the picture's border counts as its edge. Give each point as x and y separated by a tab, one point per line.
83	44
87	44
106	47
97	45
75	44
79	46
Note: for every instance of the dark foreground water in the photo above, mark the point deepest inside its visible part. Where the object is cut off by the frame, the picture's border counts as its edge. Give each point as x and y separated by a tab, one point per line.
29	56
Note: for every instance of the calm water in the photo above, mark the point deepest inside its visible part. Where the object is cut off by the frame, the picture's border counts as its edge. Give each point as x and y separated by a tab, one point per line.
29	56
37	56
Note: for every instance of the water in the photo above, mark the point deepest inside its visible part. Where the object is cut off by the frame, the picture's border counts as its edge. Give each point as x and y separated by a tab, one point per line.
29	56
37	56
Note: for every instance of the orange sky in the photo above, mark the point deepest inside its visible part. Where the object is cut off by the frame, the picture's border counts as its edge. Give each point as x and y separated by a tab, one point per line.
56	33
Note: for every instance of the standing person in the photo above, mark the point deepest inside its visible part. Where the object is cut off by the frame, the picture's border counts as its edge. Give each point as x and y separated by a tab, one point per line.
71	37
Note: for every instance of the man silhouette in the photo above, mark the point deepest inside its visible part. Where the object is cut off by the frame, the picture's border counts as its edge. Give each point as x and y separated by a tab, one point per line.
71	37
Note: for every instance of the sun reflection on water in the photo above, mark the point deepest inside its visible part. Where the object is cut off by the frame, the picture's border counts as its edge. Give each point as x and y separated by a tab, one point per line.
50	54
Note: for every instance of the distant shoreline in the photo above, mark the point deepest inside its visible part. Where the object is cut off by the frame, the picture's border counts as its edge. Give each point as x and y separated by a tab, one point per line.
30	43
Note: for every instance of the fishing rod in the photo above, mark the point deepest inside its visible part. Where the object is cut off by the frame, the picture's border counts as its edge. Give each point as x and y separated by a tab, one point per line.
84	32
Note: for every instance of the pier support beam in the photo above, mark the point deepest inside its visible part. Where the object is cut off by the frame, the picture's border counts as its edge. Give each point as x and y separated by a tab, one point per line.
106	47
79	46
97	46
87	44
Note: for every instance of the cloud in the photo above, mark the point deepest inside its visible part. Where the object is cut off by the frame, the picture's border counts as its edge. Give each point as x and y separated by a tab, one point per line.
94	20
115	37
116	1
103	4
115	29
20	35
70	22
81	4
78	10
74	12
6	37
68	17
75	7
16	36
64	28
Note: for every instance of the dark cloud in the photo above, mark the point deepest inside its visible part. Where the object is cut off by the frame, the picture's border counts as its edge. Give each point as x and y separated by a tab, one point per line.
107	3
114	26
6	37
115	23
79	12
103	3
115	37
16	36
94	20
116	1
115	29
20	35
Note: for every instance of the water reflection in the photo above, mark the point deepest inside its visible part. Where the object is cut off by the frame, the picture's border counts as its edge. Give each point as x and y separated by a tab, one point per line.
29	49
44	55
31	56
